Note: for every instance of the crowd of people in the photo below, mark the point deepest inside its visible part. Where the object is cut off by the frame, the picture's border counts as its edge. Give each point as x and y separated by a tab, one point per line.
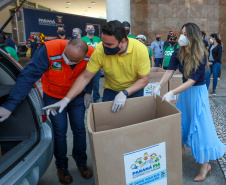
70	70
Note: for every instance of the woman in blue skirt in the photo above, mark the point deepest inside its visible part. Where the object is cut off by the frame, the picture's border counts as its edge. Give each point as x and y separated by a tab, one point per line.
198	130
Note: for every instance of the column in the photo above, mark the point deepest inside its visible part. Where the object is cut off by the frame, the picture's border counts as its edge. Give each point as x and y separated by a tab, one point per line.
118	10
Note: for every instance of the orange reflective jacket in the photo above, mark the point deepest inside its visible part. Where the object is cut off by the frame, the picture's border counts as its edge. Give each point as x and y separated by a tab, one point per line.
59	78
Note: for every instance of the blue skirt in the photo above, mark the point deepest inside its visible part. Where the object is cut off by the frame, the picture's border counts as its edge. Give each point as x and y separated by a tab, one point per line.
198	130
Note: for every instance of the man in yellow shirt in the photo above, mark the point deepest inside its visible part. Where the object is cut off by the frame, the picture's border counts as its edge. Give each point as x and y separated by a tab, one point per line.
126	66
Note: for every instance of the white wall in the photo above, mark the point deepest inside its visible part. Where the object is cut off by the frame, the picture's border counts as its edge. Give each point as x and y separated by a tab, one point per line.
4	14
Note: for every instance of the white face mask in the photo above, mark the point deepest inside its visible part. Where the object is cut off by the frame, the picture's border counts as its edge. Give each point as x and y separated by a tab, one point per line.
67	61
211	40
183	41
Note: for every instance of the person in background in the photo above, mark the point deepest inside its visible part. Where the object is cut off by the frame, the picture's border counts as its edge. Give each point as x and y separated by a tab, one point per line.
157	49
169	49
215	56
12	52
10	42
125	62
76	33
61	33
90	38
142	39
93	40
166	43
33	45
198	130
67	58
127	28
222	44
205	40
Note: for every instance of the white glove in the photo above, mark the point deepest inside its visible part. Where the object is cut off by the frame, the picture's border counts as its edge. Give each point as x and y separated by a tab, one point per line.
87	100
156	90
60	104
119	102
4	114
168	96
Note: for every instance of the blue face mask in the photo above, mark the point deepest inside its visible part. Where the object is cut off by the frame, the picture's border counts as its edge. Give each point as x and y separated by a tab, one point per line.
61	32
91	32
74	35
111	51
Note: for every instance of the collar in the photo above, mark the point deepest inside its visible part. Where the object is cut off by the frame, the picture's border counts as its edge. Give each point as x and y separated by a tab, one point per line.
129	48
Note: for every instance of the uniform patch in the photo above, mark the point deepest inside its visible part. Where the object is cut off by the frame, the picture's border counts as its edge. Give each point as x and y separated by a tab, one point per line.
57	65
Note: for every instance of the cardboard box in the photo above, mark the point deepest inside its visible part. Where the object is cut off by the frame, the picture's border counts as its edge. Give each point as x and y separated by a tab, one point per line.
155	76
139	144
175	82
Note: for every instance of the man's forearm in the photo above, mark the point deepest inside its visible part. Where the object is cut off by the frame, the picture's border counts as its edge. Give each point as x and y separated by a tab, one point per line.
79	84
139	84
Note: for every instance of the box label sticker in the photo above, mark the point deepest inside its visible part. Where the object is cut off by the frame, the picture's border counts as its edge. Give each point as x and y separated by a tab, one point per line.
150	88
146	166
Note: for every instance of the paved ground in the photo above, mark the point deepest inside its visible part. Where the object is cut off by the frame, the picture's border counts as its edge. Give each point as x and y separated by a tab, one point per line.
190	167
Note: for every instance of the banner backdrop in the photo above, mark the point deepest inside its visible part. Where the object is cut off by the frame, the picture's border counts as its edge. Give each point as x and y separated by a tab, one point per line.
46	22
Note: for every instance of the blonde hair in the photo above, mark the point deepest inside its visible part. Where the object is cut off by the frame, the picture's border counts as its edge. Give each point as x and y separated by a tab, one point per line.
192	55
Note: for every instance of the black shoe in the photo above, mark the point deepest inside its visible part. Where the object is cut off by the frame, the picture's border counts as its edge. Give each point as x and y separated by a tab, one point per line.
64	176
213	93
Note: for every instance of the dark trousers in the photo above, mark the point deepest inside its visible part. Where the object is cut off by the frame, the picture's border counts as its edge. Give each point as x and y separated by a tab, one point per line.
158	62
76	113
215	68
96	94
109	95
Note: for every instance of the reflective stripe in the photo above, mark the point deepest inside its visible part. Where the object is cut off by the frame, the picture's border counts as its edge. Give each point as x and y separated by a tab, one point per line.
56	57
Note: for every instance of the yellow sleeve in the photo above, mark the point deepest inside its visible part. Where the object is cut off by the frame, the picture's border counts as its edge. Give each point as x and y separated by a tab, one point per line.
94	65
144	63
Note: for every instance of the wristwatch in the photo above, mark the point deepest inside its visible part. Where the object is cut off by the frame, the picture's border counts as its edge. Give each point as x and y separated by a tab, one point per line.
125	92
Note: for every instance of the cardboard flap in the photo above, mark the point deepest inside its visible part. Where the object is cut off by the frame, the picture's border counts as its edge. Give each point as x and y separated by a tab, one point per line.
136	110
90	119
165	108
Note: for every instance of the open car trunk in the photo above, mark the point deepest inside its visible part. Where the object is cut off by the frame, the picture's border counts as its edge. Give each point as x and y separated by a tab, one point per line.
19	133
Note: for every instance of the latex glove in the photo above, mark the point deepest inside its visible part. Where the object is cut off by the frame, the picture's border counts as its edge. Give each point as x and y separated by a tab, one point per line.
60	104
168	96
156	90
4	114
119	102
87	100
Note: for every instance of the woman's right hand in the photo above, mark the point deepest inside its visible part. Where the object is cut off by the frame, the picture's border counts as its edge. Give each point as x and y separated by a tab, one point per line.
156	90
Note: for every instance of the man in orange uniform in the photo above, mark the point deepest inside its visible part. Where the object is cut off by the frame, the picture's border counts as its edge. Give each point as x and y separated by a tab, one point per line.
59	63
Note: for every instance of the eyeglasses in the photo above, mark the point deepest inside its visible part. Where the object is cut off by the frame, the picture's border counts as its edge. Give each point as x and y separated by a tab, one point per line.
172	39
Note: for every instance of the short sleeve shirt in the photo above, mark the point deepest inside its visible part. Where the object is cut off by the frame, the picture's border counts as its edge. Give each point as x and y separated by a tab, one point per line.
121	71
198	75
158	49
168	53
92	42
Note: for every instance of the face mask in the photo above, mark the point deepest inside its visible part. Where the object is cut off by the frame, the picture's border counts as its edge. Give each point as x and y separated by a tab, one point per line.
172	42
74	35
111	51
211	40
183	41
61	32
158	38
91	32
67	61
128	31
